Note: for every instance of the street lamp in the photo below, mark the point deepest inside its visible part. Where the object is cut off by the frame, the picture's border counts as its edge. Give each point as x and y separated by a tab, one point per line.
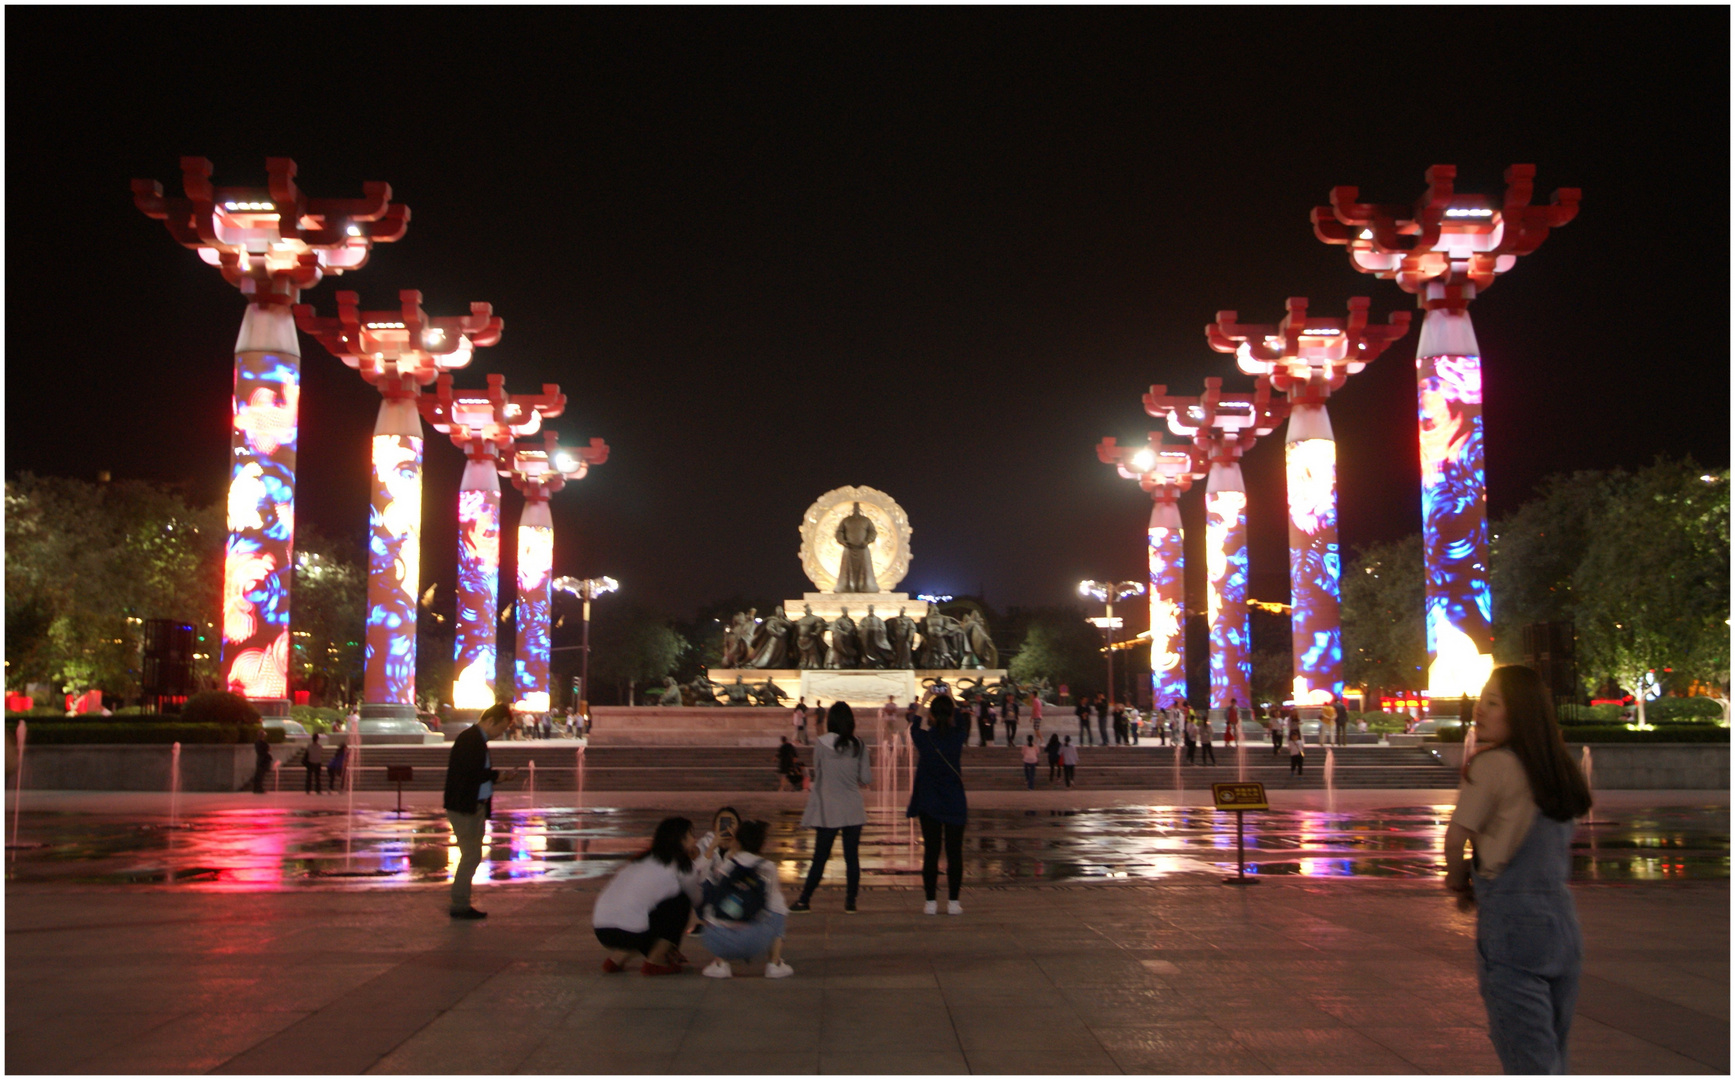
1108	592
585	590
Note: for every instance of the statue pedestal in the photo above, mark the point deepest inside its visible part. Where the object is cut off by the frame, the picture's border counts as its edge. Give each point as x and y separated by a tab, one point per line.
861	688
829	605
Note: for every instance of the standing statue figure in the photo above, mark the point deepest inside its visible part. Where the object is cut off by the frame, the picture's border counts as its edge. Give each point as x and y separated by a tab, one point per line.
938	641
901	631
978	642
844	645
810	638
773	650
855	571
738	639
876	649
671	694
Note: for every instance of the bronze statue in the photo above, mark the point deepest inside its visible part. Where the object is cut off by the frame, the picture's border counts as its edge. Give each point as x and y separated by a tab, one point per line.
810	639
939	641
876	650
855	571
901	631
737	693
671	694
738	639
704	690
978	642
773	650
844	646
769	693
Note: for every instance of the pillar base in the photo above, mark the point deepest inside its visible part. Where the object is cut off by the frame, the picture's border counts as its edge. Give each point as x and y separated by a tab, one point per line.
271	708
371	711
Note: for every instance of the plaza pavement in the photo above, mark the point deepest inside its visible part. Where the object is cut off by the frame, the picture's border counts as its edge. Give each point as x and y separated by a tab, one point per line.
1293	975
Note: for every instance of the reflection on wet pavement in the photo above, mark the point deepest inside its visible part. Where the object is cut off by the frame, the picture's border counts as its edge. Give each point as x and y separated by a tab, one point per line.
274	848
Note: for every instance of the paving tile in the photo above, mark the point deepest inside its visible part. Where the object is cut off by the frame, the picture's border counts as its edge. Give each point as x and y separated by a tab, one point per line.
893	1063
727	1060
1067	1059
1228	1063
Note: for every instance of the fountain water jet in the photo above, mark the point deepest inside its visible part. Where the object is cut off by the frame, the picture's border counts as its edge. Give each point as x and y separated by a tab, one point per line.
352	761
578	768
1330	781
1180	787
18	790
174	786
1241	760
1585	767
532	784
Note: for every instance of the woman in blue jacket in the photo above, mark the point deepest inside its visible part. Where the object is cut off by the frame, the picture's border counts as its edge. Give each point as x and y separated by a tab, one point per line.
937	800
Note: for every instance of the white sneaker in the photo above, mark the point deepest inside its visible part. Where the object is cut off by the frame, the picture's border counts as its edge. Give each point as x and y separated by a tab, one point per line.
778	971
954	908
930	908
718	969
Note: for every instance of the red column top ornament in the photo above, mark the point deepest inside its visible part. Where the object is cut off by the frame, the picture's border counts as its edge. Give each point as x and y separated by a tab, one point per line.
1447	246
1307	357
1222	426
485	423
273	243
540	471
399	352
1163	470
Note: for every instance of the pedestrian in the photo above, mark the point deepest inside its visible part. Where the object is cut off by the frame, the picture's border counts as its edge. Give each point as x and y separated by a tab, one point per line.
1295	721
984	722
1120	726
1516	803
1297	752
937	801
788	768
1134	718
1327	721
1036	713
1009	721
840	771
1102	717
1082	711
1192	735
469	799
261	761
1031	757
887	721
799	719
334	768
1069	759
1276	724
743	908
1053	751
1175	726
646	906
1205	751
1231	724
1342	723
314	759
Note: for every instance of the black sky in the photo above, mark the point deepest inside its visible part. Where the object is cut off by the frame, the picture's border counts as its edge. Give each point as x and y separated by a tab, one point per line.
941	253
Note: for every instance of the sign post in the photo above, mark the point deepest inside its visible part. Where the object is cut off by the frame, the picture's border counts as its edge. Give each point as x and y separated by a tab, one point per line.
1240	798
399	775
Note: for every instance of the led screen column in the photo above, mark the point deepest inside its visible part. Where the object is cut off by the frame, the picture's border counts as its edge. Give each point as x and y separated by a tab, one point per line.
1315	634
475	653
258	564
1226	582
394	561
1454	506
1168	601
535	569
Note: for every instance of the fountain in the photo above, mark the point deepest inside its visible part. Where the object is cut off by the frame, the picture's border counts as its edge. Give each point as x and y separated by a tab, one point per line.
1241	760
1180	789
578	768
1584	767
354	747
174	788
1330	782
276	777
532	784
18	791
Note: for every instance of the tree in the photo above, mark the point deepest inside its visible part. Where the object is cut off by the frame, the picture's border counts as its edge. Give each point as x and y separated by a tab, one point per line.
1384	637
1064	649
630	645
1536	552
1652	590
328	622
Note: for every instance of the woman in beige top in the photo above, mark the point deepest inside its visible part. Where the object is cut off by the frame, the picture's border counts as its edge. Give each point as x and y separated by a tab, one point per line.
1516	806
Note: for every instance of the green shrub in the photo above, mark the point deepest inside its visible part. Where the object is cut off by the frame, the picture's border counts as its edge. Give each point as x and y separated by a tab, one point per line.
1451	733
82	732
274	735
1672	733
1588	714
219	707
316	719
1683	710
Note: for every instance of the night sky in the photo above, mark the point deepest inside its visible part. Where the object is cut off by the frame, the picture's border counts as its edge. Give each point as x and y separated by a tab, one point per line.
941	253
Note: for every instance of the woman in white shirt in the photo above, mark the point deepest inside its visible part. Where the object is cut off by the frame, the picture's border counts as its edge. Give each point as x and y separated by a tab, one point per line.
647	905
762	933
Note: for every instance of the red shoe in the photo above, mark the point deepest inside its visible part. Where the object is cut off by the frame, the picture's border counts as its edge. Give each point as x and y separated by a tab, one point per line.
660	969
609	967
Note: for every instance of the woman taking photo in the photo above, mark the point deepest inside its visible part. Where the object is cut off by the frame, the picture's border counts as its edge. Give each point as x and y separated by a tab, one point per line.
1516	805
937	800
840	771
646	907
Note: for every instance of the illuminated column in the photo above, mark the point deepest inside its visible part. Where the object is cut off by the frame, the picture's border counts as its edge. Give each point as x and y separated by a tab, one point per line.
478	584
538	472
270	244
1308	358
535	570
484	424
1166	472
1223	427
1445	249
397	352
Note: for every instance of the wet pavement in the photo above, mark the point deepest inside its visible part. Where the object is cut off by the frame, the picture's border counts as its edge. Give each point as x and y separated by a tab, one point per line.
277	847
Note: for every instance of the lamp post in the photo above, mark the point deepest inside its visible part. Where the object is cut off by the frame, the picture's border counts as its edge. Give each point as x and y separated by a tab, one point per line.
270	243
586	590
1108	592
1445	249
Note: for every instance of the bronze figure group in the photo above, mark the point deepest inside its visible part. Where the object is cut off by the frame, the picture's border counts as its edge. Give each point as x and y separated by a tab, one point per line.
937	642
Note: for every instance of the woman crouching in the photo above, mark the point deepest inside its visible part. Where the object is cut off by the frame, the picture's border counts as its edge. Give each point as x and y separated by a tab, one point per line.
743	906
646	907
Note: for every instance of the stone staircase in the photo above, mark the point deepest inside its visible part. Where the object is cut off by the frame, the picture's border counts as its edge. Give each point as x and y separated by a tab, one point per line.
728	768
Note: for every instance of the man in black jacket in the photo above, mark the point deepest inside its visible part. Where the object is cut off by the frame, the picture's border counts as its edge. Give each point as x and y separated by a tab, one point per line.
470	780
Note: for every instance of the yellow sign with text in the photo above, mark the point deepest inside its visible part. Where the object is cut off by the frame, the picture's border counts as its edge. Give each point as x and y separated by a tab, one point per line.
1240	796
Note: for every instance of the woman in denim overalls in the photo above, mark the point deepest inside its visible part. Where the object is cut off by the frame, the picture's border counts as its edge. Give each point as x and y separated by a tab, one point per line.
1529	951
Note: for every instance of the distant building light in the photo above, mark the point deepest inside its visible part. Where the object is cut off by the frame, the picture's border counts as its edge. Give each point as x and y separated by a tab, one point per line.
934	598
353	230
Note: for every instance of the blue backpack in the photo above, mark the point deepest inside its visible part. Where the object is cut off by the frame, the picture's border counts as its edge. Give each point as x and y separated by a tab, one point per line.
739	896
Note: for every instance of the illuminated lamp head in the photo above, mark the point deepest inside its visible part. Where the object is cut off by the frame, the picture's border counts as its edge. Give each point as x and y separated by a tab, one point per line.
1306	357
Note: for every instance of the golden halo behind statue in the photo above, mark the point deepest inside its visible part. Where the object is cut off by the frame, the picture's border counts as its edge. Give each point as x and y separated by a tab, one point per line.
821	553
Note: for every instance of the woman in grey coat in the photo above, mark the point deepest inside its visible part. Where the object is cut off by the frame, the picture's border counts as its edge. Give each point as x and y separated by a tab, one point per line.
840	771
